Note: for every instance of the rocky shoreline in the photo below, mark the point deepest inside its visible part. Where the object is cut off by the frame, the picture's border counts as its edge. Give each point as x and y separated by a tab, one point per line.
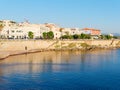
17	47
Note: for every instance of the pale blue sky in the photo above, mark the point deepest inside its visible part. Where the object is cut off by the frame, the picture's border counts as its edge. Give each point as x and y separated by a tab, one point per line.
100	14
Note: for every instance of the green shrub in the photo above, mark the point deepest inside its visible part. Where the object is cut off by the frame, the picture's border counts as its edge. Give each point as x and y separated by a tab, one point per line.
84	45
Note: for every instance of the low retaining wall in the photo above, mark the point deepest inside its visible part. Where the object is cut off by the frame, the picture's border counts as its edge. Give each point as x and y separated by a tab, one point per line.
13	45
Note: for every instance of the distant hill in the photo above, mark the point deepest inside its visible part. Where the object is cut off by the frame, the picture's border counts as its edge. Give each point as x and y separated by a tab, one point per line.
116	34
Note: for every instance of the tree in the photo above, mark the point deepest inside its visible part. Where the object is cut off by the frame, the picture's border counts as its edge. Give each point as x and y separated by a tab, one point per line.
115	37
65	37
108	37
50	35
102	37
30	34
88	36
44	35
71	37
75	36
82	36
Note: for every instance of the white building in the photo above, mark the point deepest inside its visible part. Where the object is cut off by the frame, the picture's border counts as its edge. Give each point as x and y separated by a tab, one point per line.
21	30
16	30
72	31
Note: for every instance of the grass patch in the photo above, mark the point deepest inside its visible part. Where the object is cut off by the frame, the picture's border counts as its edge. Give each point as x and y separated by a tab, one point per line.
72	45
84	45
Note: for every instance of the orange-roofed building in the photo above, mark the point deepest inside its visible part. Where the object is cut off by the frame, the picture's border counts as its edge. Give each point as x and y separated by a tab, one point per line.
92	31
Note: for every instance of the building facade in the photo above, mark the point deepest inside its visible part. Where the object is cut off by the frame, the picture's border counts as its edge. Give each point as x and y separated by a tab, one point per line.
14	30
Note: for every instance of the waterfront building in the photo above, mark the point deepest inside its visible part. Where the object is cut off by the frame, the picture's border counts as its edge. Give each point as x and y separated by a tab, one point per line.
21	30
95	33
14	30
92	31
55	29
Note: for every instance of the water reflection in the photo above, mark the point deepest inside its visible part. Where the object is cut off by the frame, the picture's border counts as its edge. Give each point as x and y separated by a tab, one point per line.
55	61
67	70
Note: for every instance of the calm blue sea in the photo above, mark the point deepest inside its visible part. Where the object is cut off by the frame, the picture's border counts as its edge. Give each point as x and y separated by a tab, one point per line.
67	70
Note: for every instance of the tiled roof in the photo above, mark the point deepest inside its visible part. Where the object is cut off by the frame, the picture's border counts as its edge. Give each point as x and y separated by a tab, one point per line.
90	29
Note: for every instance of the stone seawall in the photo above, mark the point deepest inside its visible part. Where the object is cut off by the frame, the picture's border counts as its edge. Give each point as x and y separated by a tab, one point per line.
14	47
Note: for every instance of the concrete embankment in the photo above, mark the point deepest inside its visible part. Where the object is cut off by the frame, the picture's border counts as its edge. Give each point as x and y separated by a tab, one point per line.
16	47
